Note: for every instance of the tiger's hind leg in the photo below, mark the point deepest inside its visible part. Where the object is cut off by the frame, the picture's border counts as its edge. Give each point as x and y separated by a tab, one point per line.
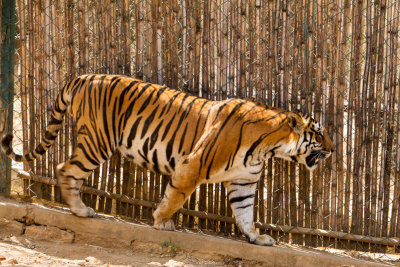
71	175
241	197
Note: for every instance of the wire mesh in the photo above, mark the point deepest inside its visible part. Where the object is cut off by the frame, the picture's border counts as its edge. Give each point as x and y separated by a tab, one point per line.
337	60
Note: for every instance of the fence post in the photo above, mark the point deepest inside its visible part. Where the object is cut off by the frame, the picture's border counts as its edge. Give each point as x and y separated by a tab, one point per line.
7	83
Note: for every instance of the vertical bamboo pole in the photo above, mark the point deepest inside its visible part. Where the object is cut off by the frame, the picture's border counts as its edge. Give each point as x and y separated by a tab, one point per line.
320	61
205	86
7	82
382	116
387	133
354	109
369	184
375	211
396	92
24	103
32	103
369	72
344	24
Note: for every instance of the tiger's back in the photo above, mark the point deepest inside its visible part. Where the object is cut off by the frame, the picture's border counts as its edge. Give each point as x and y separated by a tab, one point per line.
151	124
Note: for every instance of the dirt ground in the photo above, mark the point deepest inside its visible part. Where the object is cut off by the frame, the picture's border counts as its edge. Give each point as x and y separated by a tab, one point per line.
22	251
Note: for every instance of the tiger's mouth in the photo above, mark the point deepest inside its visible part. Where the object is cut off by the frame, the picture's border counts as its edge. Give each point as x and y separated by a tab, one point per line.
316	157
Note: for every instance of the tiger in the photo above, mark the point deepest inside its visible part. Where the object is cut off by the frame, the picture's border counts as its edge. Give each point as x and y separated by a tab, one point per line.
191	139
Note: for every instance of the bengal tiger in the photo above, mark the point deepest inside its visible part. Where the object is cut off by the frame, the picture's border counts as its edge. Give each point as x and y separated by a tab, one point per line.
194	140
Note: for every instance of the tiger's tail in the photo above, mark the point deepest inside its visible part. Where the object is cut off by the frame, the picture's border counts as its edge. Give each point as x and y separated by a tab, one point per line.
49	137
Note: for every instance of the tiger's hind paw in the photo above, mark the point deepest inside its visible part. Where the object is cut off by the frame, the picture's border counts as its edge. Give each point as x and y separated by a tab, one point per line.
167	225
264	240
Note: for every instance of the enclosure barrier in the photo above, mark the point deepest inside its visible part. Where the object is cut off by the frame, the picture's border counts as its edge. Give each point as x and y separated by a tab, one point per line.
337	60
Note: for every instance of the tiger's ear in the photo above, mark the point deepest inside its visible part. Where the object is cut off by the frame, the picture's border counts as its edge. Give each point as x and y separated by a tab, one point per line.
296	122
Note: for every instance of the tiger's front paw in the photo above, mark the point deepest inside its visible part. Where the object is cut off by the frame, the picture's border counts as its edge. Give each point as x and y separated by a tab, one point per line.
264	240
167	225
83	212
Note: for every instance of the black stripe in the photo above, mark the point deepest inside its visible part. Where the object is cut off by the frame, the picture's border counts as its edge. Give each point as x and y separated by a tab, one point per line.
146	147
172	99
230	192
256	143
222	107
197	125
272	151
148	122
229	161
100	89
182	139
79	165
170	183
244	184
145	103
159	92
154	135
155	161
114	82
88	157
170	146
183	101
76	86
170	103
209	166
57	108
257	172
123	94
40	150
240	199
54	121
128	111
245	206
49	136
141	91
222	127
9	151
167	127
132	133
102	146
144	157
172	163
114	120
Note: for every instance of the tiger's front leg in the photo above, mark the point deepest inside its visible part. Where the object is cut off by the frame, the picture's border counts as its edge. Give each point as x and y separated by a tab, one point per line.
241	197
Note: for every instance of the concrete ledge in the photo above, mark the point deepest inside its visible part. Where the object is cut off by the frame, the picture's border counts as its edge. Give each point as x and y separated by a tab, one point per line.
124	233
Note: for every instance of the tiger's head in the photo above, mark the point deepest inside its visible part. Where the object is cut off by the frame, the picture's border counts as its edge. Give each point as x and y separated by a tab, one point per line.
312	143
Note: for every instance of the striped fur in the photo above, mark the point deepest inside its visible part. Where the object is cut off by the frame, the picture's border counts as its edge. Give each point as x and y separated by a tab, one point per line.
192	139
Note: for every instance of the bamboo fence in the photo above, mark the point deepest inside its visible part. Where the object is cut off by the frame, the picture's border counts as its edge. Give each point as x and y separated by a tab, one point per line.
337	60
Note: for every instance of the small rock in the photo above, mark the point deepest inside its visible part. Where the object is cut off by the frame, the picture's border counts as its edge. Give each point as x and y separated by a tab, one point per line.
93	260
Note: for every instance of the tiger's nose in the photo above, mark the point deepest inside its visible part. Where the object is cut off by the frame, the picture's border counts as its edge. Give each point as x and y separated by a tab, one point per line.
332	150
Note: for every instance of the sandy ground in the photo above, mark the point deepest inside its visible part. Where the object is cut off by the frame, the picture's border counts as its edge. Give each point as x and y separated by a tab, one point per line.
21	251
